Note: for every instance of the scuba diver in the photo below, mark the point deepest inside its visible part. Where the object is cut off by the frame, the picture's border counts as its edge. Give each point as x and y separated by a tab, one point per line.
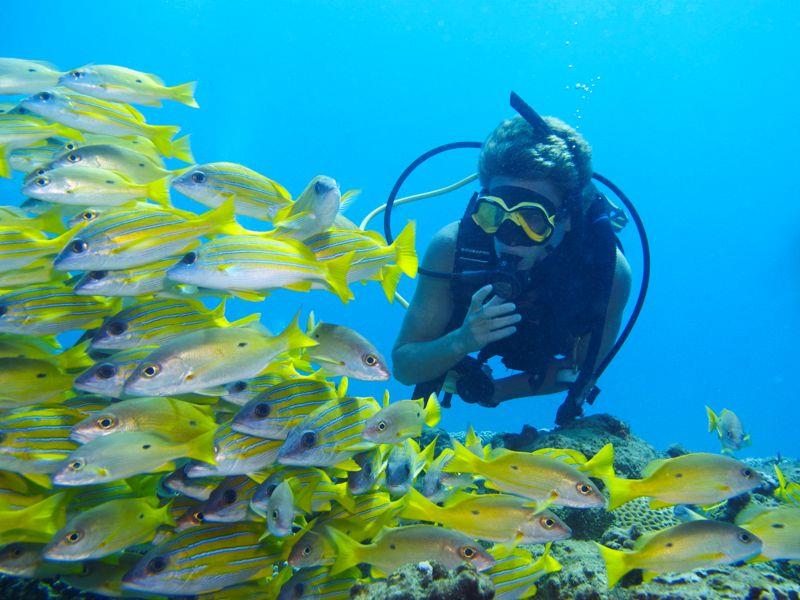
532	273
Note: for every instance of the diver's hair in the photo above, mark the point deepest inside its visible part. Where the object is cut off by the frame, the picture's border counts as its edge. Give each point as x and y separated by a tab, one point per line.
514	150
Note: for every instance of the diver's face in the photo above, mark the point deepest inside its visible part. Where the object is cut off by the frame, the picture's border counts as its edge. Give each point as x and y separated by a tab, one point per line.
533	254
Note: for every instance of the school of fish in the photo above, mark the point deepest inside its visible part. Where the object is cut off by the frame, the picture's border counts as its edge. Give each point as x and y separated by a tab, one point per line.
172	452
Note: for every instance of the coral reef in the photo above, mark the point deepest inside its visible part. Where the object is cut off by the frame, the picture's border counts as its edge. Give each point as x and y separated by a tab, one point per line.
428	581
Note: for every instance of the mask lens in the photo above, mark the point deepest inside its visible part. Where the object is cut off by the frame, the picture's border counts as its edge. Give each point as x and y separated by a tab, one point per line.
488	216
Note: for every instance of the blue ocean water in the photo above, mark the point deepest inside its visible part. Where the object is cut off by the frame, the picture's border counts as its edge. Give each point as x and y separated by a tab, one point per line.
691	107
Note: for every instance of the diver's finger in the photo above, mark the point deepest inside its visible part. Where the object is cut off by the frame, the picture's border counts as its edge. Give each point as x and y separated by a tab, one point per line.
478	298
498	310
501	322
500	334
494	301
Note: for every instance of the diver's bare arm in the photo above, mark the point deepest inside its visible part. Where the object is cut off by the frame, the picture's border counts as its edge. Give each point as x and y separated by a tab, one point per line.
517	386
422	350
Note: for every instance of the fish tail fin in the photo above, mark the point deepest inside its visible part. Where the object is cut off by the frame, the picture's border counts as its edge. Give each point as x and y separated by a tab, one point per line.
405	252
336	278
390	279
5	168
220	219
419	508
620	491
348	550
47	516
254	318
184	94
161	136
75	357
433	411
294	336
601	465
463	461
547	562
712	419
50	220
426	456
158	191
165	515
617	564
218	314
202	447
182	149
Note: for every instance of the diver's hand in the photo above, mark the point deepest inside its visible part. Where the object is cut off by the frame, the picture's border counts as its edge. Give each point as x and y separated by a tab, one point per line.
486	322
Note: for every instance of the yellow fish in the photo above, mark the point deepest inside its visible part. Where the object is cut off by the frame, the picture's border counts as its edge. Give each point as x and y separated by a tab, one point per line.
778	528
697	478
685	547
787	491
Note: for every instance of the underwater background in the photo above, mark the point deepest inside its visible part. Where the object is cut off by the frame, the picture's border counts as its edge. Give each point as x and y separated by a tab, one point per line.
691	108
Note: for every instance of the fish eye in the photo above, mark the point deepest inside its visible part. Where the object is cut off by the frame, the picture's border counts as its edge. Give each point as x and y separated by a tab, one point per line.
74	536
45	96
381	425
370	360
584	488
276	514
747	473
77	464
151	370
77	74
467	551
106	422
198	177
229	496
73	158
41	171
79	247
70	146
198	517
42	181
547	522
106	371
189	258
261	410
88	215
98	275
307	551
238	387
745	537
156	565
309	439
117	327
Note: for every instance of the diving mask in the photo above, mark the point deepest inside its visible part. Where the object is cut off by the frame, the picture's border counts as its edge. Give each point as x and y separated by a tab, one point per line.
530	211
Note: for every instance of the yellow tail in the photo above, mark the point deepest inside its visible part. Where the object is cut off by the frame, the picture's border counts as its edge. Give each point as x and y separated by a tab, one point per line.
349	552
75	357
337	270
547	563
295	338
158	191
45	517
617	564
202	448
390	279
184	94
50	221
419	508
161	136
433	411
601	465
620	491
219	220
712	419
463	460
405	253
5	168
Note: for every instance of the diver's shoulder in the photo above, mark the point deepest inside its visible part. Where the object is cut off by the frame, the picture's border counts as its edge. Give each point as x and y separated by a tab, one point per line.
441	251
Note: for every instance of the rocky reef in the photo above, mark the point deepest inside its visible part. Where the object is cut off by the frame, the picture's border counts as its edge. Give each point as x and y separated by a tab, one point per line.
428	581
